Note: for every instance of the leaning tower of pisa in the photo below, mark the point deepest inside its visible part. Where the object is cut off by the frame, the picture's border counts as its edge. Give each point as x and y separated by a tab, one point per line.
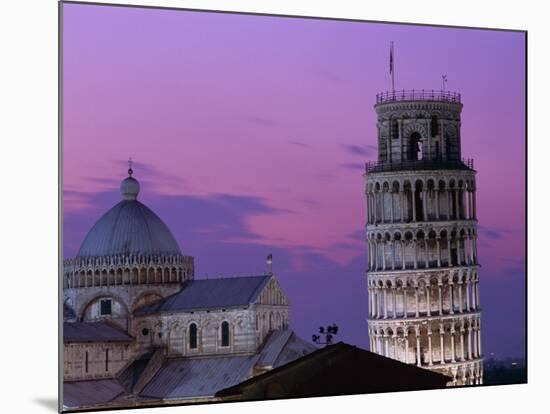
423	270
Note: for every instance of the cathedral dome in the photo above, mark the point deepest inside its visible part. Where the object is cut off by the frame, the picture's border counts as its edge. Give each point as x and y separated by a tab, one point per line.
129	228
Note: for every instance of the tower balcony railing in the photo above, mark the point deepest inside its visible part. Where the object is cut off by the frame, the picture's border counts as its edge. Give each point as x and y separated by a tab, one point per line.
417	95
435	164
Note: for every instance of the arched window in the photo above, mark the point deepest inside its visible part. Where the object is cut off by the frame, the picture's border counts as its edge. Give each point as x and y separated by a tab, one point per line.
225	333
193	336
435	126
415	146
394	129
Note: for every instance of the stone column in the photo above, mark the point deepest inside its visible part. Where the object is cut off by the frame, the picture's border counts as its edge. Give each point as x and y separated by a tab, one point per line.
468	292
460	296
441	343
451	307
438	252
430	350
439	288
394	295
428	301
462	343
470	215
469	341
413	191
415	254
480	353
427	259
458	255
375	205
392	254
453	351
457	214
402	198
416	300
418	357
405	300
402	242
371	255
469	250
383	255
437	216
385	302
386	345
449	204
400	132
371	302
407	347
449	257
425	205
395	345
371	341
375	245
391	204
476	354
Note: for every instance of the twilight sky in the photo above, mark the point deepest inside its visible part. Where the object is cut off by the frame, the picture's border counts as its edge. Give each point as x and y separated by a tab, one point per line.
249	135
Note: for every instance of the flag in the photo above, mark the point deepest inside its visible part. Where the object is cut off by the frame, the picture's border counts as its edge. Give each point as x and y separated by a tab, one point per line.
391	58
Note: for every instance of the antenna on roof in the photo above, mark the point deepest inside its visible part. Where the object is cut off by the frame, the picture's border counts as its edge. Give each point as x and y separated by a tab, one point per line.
392	67
130	163
270	263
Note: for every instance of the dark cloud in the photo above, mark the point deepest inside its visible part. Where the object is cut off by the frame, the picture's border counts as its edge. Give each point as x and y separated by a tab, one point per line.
310	202
262	121
353	166
358	235
299	144
491	233
362	150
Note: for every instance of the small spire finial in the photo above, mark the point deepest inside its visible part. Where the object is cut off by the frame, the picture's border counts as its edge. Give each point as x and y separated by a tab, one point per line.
130	162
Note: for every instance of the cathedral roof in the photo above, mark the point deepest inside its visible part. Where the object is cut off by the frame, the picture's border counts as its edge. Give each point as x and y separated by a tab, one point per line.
198	377
129	228
211	293
279	340
93	332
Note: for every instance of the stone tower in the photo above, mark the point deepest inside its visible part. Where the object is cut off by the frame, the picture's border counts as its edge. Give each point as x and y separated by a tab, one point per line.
423	270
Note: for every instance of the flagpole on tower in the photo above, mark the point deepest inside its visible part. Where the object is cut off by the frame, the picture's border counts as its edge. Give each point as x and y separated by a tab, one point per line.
392	68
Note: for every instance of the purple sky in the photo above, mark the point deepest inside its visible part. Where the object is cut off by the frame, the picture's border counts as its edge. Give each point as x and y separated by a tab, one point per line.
249	135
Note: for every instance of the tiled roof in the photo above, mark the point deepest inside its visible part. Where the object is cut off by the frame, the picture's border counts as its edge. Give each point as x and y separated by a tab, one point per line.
93	332
198	377
92	392
282	347
211	294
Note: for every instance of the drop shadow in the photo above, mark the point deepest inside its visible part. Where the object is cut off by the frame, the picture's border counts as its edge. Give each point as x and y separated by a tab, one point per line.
49	403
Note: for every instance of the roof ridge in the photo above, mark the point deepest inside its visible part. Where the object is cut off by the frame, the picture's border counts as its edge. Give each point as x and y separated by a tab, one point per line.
259	288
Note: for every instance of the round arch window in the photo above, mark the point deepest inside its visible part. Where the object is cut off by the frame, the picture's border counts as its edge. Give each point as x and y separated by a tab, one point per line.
145	331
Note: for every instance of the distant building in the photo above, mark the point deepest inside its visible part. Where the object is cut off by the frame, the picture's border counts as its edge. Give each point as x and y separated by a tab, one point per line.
140	330
423	271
